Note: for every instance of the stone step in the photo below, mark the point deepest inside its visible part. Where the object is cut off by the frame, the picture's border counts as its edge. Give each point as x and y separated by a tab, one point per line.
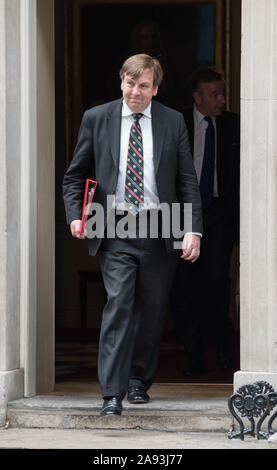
72	412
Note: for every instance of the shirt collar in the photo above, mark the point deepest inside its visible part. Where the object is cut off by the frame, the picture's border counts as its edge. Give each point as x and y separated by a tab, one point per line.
126	111
199	117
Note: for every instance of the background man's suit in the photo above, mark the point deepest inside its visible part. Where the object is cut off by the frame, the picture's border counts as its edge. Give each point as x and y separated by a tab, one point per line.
207	295
129	352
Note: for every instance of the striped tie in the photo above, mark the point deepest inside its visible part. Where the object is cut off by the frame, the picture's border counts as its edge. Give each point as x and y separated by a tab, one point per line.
134	186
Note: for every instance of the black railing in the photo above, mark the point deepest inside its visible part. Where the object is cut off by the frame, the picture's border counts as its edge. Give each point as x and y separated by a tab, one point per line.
252	401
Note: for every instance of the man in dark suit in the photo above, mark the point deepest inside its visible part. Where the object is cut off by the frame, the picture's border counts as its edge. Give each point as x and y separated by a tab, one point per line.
214	140
138	151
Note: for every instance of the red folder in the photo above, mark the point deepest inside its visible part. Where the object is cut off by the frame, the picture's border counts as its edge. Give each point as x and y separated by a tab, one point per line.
90	188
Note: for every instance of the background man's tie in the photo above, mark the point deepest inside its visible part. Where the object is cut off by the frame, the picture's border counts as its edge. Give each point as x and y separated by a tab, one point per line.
208	166
134	185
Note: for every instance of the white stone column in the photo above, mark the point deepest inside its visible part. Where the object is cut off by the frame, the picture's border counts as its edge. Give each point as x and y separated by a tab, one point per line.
258	271
45	374
11	374
28	195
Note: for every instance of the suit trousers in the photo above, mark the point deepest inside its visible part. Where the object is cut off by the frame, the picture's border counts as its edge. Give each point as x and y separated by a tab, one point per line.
200	294
137	274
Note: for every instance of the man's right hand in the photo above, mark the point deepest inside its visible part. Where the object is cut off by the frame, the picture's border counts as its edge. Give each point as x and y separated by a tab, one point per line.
75	227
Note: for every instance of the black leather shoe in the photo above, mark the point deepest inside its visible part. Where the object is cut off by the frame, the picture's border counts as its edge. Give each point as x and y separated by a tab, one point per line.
137	394
111	406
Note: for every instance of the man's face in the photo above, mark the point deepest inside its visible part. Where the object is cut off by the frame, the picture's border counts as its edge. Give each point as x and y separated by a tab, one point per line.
138	92
210	99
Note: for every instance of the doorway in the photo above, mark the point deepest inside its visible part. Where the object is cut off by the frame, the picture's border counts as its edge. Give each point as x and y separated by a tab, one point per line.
90	47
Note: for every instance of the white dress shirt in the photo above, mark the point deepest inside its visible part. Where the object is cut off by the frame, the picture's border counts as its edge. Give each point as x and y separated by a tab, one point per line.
200	126
151	198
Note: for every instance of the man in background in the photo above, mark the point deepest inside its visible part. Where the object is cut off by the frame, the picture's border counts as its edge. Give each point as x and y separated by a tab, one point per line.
214	140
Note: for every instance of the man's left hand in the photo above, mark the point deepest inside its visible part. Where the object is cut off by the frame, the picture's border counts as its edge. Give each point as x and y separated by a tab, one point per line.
191	247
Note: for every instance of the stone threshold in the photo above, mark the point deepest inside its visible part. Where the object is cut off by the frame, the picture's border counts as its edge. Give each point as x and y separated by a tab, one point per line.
80	412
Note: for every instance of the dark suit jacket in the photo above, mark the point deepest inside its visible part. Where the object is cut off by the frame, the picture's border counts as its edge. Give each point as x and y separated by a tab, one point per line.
227	164
97	155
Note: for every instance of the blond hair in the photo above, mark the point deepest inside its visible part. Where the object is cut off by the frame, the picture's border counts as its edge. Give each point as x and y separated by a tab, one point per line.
137	64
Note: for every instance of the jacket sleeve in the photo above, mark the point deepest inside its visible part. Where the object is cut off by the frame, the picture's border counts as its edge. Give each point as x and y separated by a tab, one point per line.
79	169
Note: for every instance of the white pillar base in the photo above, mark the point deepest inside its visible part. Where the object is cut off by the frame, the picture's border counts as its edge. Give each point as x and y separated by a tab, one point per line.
11	388
242	378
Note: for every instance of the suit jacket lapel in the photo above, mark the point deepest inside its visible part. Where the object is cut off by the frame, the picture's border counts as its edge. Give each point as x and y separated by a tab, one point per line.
114	130
158	128
188	116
